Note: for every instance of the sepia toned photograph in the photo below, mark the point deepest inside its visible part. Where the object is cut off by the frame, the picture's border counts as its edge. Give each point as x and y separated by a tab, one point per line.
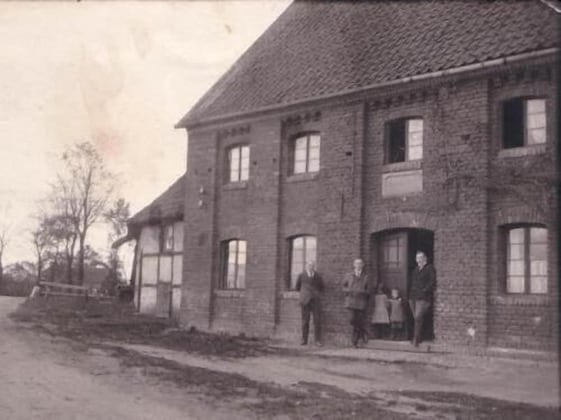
283	209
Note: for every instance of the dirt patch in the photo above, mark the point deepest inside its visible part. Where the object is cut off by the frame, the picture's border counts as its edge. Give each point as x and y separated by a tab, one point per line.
95	322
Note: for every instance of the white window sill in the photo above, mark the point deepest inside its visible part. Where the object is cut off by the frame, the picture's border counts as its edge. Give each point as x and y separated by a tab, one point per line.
402	166
523	300
308	176
535	149
290	294
240	185
230	293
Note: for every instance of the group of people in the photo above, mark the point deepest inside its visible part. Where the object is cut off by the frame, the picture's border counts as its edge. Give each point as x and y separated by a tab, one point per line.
388	311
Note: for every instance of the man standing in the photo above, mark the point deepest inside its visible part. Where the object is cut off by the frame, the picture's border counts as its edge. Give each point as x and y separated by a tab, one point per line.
356	287
423	282
310	285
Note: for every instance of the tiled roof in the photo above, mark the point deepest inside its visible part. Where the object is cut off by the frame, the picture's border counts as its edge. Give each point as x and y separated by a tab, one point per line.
169	205
321	48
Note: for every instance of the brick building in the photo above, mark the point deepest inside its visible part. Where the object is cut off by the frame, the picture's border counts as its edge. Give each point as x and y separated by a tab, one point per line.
374	130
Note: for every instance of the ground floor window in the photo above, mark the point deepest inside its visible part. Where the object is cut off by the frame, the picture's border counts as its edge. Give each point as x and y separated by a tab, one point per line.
302	249
235	257
526	270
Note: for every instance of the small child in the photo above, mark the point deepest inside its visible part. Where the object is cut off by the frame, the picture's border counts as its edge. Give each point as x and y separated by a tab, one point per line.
396	314
380	317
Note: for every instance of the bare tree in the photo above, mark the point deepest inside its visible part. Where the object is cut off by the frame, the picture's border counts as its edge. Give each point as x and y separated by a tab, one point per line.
81	194
4	241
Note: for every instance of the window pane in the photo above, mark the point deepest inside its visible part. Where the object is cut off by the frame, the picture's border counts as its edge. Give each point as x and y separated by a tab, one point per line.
536	121
313	165
535	106
314	141
396	146
536	136
245	152
415	138
515	284
538	268
415	153
538	284
516	268
415	125
516	236
235	164
310	249
513	123
314	153
299	167
298	243
231	276
538	235
538	252
241	277
300	154
516	252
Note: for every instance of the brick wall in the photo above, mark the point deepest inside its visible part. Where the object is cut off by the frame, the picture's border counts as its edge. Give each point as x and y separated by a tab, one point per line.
343	206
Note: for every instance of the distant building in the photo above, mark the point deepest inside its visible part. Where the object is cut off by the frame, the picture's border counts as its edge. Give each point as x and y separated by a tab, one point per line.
374	130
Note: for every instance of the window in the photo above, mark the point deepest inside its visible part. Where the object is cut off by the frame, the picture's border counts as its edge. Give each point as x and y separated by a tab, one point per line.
392	252
302	249
238	163
167	238
526	260
235	257
306	153
524	122
404	140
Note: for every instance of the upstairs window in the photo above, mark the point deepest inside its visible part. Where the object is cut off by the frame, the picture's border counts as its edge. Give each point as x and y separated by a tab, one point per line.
302	250
306	153
524	122
234	263
526	260
404	140
238	163
167	238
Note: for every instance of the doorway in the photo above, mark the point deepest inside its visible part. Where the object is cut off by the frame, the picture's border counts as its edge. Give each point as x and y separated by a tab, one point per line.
395	256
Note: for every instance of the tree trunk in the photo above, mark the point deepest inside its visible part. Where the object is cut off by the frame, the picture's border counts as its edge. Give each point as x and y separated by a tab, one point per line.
81	244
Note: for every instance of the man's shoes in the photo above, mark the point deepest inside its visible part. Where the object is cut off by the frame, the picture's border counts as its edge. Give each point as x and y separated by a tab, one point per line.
319	343
304	343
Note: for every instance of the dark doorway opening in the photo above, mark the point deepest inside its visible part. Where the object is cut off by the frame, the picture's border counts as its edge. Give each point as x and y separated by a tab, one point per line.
394	253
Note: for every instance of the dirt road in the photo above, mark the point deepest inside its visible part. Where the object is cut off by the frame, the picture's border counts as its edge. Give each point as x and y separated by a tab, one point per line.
135	376
48	378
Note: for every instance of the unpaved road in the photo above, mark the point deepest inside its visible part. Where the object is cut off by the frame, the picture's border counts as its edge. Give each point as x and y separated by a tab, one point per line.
47	378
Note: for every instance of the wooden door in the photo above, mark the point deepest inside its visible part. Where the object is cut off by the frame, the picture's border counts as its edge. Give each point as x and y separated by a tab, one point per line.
392	257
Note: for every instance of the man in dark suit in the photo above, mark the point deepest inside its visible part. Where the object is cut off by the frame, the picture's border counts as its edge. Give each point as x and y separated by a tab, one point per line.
310	285
356	286
423	282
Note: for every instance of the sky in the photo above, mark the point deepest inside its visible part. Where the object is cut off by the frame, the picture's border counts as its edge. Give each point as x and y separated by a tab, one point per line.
119	74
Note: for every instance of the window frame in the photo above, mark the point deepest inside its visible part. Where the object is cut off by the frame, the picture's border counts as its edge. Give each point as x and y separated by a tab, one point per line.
291	281
525	123
307	135
240	147
526	258
225	256
406	121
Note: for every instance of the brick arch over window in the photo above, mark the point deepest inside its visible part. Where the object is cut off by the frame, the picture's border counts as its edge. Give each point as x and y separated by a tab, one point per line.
520	215
404	220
